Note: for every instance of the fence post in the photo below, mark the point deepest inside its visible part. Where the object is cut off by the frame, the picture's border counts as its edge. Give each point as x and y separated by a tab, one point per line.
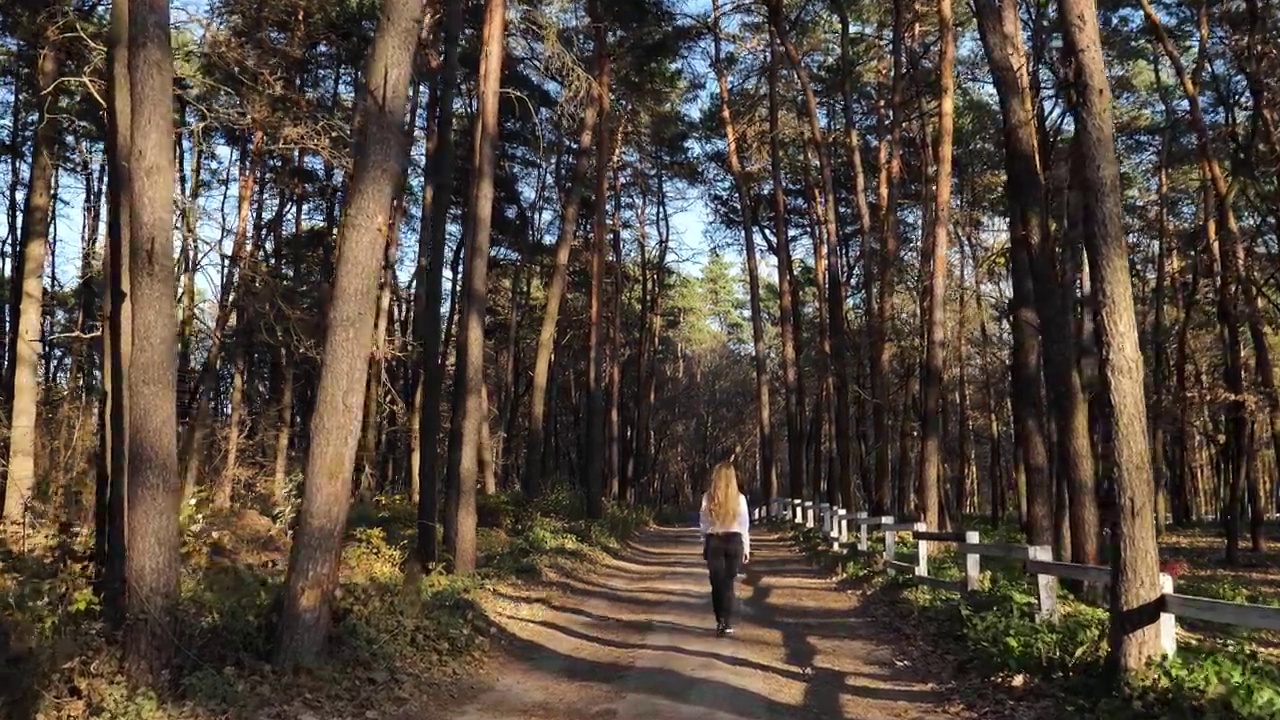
1046	585
922	551
890	539
862	532
972	562
825	511
1168	622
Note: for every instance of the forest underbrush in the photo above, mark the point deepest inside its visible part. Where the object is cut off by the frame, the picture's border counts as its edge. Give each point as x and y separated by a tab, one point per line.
394	643
1059	668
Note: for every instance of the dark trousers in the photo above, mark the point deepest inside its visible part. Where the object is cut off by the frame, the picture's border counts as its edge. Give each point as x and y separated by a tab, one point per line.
723	553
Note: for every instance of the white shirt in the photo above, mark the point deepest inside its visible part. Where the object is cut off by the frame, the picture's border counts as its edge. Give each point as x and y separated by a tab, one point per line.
741	522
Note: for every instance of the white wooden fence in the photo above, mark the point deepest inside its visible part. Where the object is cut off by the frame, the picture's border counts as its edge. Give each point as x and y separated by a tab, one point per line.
838	525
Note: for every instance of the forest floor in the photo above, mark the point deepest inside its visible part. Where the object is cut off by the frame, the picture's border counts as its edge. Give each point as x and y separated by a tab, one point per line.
631	637
1195	555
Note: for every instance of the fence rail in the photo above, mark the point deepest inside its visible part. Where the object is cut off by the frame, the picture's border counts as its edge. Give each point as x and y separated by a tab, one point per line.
1037	560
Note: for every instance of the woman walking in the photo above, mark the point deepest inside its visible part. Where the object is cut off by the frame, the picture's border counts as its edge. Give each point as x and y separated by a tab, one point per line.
726	546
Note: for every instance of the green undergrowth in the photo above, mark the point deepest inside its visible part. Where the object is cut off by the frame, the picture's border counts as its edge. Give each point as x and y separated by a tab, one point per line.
390	638
994	634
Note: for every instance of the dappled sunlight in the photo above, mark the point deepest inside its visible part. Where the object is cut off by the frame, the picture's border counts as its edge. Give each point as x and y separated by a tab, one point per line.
632	637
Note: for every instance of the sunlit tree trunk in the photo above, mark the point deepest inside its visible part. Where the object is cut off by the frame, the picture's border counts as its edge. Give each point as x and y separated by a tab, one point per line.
379	156
1135	559
931	385
593	468
1002	41
881	346
437	197
764	425
24	390
786	313
470	407
536	438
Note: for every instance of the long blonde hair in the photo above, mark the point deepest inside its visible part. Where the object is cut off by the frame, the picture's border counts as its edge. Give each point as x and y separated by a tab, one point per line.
722	497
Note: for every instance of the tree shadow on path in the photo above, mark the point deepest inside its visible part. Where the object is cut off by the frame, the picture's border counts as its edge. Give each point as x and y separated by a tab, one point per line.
631	639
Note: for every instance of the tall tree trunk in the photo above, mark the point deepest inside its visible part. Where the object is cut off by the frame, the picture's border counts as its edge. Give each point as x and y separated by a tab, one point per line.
485	454
838	362
377	173
863	440
469	400
1159	365
367	453
931	383
284	424
536	438
764	426
1135	560
154	490
79	377
618	483
1035	299
593	469
881	346
1184	498
222	491
437	197
967	498
1232	283
510	378
117	326
190	218
24	392
786	312
242	253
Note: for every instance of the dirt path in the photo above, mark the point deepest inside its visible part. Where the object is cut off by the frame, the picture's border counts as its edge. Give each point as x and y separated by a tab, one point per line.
632	639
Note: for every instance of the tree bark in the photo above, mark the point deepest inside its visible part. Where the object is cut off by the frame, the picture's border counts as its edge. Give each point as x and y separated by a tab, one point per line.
931	382
24	393
284	425
117	326
1232	285
881	346
1035	295
377	173
593	469
469	371
838	361
437	197
536	438
764	426
1135	640
154	490
786	309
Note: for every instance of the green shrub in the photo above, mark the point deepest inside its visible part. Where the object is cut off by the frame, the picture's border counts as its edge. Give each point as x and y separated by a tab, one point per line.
62	663
994	633
1209	682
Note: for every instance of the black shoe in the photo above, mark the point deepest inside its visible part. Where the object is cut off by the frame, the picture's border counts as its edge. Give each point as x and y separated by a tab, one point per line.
720	626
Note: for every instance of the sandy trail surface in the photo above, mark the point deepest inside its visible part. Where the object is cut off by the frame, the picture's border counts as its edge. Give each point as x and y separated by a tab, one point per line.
632	638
